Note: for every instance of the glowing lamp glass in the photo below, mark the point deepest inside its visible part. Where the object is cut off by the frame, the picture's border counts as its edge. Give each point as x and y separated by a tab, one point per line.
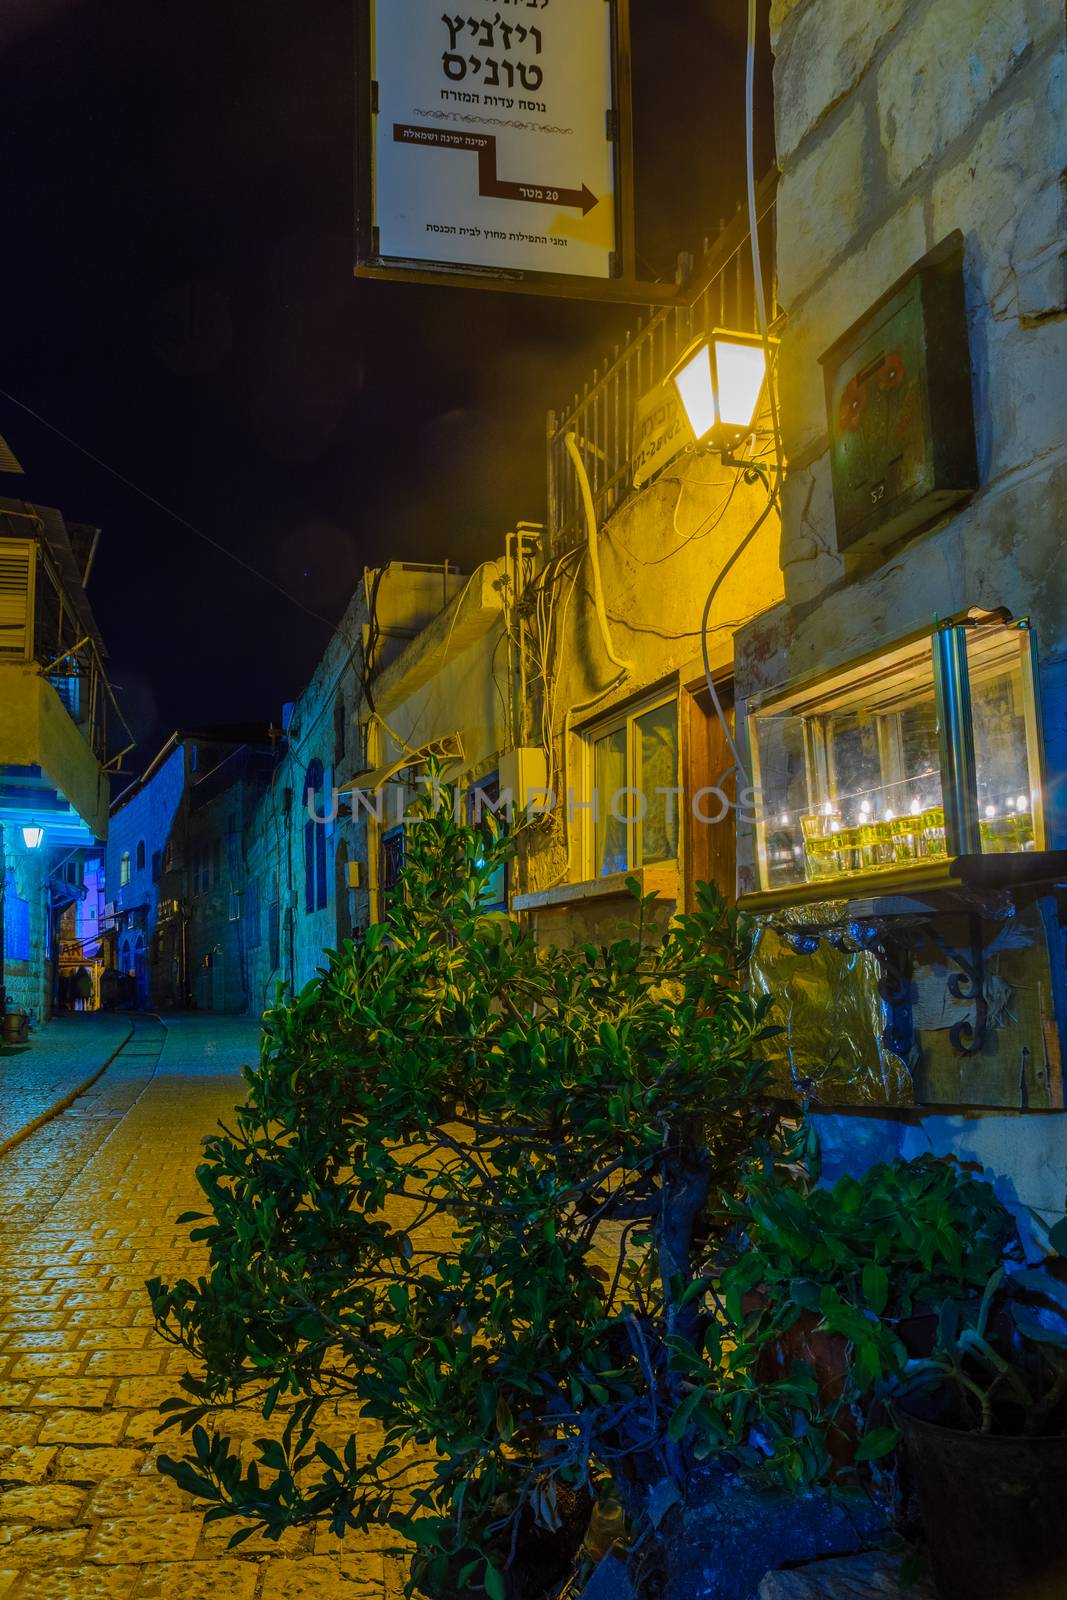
33	838
741	369
696	390
719	383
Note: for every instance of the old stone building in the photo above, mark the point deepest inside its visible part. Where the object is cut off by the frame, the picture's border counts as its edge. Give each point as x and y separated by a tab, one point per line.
310	866
175	871
56	714
81	945
927	999
872	619
218	896
801	667
569	670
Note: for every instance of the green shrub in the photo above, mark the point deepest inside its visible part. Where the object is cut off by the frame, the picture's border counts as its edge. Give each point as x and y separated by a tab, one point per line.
472	1190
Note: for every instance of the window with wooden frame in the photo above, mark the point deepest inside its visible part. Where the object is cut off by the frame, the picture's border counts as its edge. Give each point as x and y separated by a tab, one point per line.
16	922
709	838
391	865
315	889
632	782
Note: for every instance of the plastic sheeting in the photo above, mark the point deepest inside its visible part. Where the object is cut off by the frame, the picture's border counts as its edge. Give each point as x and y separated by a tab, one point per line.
827	997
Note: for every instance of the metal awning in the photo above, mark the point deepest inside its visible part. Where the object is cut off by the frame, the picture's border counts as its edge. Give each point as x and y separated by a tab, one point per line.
446	751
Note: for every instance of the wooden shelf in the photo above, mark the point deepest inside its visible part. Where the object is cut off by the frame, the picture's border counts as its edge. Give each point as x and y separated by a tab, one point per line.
661	880
1014	869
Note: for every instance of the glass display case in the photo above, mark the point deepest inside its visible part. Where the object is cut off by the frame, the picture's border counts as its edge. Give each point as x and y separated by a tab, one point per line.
895	766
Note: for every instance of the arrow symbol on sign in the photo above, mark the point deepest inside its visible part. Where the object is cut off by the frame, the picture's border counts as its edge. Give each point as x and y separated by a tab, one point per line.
491	187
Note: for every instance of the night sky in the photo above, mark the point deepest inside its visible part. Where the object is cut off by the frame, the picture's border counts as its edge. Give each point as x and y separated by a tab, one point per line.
177	194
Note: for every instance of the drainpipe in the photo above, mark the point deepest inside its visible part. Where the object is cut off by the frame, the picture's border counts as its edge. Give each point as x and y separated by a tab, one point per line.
571	441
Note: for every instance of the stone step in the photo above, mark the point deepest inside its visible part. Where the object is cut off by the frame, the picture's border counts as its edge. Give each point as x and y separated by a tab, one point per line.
873	1576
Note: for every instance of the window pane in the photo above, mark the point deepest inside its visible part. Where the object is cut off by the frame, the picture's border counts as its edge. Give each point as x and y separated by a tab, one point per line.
392	859
657	768
309	866
483	805
998	714
850	774
612	841
321	890
16	922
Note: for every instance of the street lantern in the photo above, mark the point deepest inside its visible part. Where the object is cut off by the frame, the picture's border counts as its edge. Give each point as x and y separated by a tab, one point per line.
33	837
720	380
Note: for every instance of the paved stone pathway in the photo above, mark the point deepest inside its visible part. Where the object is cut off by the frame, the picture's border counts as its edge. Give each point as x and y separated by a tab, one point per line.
88	1204
60	1060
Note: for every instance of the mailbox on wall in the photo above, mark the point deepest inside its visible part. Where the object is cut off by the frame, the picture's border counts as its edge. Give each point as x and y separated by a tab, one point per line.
901	418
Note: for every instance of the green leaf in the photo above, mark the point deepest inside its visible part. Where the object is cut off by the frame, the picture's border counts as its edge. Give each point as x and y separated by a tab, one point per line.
868	1363
680	1419
805	1292
877	1442
493	1580
875	1286
505	1422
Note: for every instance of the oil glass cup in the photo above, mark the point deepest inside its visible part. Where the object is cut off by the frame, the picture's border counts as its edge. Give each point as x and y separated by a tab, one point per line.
933	833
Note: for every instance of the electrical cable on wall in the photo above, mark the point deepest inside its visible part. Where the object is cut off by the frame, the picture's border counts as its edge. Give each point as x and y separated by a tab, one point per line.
571	441
753	230
720	579
701	531
761	316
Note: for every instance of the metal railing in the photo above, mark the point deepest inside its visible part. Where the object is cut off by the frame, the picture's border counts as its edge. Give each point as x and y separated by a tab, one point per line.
40	625
720	293
67	657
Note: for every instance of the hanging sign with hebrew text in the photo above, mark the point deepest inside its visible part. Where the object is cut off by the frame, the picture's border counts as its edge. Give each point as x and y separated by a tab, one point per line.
492	141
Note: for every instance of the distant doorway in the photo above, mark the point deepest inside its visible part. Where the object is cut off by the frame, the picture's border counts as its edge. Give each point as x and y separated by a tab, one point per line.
205	984
140	974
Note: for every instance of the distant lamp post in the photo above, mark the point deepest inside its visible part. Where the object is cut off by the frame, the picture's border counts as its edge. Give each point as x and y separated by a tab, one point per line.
33	837
720	381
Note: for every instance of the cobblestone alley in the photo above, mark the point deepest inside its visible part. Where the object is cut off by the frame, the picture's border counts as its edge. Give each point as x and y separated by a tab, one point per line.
88	1203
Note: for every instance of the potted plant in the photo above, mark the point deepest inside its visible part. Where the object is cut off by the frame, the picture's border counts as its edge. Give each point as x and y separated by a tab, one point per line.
844	1282
984	1421
16	1026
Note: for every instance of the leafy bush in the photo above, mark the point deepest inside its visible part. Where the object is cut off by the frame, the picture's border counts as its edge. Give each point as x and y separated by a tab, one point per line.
898	1241
471	1191
874	1261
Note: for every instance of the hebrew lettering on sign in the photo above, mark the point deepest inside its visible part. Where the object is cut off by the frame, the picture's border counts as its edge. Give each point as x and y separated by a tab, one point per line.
485	32
494	35
531	84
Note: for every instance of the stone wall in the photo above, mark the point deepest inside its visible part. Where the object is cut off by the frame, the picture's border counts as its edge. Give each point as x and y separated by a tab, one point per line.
898	124
153	816
330	725
324	726
28	984
222	931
